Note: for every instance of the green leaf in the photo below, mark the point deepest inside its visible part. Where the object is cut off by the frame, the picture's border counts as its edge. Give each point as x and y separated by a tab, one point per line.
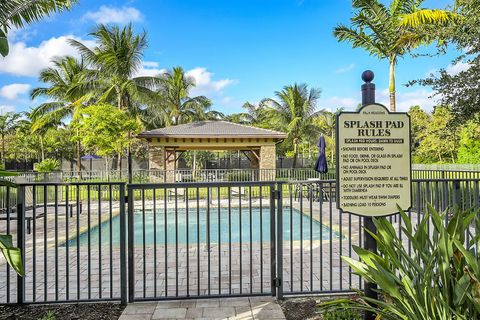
3	44
12	255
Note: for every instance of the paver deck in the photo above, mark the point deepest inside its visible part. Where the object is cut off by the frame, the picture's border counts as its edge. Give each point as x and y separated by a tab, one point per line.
257	308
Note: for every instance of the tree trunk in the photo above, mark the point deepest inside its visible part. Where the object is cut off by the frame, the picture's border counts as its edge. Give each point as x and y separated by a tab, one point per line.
392	85
79	158
42	151
3	148
194	165
295	155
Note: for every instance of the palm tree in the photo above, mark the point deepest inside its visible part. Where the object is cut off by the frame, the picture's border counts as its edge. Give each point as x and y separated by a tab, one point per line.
113	64
65	80
180	108
8	124
18	13
294	113
391	32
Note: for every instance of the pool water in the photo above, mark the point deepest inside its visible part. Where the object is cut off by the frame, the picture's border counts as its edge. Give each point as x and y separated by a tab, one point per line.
199	230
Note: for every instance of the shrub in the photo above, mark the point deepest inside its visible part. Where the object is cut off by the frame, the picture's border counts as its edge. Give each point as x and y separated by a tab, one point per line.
438	280
47	165
342	314
49	316
239	176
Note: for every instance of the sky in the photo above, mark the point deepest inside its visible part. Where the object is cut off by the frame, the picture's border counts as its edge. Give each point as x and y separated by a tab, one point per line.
236	50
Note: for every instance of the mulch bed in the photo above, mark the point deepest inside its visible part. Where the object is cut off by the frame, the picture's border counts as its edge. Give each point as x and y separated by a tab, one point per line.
304	308
83	311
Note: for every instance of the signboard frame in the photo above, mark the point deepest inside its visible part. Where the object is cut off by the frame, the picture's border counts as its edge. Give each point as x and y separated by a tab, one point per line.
337	158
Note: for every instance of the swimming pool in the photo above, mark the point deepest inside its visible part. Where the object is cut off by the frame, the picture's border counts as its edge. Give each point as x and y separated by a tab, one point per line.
199	230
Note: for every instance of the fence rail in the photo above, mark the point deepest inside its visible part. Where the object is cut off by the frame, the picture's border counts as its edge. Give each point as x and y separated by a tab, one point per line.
219	175
83	241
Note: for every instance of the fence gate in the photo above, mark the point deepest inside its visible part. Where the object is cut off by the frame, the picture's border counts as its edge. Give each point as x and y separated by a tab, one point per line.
201	240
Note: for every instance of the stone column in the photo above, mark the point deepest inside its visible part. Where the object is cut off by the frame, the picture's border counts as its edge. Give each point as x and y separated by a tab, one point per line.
170	165
268	162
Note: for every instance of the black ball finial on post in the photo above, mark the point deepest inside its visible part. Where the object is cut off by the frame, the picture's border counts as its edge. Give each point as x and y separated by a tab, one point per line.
368	88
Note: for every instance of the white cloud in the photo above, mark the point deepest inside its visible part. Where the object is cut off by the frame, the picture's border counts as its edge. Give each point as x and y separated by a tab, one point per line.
454	69
106	14
149	69
6	108
12	91
345	69
341	102
28	61
205	85
405	100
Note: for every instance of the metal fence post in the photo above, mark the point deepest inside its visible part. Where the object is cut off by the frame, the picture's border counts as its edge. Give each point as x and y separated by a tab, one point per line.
279	280
273	268
21	241
123	248
131	261
456	195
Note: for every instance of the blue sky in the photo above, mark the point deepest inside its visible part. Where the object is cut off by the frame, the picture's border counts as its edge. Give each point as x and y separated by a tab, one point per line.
237	50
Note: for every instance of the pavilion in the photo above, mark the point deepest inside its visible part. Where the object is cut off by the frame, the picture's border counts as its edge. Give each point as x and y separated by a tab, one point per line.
167	144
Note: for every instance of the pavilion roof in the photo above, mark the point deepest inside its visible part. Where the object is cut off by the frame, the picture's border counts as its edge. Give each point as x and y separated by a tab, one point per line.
212	129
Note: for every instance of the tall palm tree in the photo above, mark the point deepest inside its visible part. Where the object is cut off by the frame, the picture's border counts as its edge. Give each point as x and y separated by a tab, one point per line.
18	13
180	108
8	124
391	32
65	88
113	65
294	112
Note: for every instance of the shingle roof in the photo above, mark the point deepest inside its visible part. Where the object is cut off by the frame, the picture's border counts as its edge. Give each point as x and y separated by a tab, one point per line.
212	129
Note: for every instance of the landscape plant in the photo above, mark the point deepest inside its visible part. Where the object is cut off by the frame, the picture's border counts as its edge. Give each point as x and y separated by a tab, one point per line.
390	32
18	13
437	280
47	165
12	255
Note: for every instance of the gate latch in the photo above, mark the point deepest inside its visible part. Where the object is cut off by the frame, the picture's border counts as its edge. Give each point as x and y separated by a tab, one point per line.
276	194
277	282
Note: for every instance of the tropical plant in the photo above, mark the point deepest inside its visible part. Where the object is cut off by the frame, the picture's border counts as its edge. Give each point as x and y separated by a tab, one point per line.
177	105
12	255
457	85
114	63
438	279
47	165
293	113
391	32
341	314
8	124
65	80
106	130
18	13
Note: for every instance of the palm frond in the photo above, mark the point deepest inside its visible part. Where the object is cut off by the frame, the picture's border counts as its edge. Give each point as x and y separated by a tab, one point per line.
17	13
428	17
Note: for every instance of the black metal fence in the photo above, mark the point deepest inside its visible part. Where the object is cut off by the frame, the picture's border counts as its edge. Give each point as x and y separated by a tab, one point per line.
82	242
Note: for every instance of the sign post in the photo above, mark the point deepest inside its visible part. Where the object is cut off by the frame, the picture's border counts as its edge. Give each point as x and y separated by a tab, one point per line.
373	164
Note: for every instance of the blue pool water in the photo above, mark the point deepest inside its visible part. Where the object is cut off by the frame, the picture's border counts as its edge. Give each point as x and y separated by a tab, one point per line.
298	221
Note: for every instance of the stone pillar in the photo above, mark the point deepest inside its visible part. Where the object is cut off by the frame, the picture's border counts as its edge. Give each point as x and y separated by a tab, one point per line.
268	162
156	157
170	165
156	163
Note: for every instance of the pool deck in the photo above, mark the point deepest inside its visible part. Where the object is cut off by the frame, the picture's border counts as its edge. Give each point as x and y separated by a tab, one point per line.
69	273
258	308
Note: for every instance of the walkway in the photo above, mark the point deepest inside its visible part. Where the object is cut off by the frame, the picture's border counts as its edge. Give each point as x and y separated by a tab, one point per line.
226	308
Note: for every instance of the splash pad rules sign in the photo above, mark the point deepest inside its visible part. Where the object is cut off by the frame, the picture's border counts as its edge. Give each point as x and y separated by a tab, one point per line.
373	161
